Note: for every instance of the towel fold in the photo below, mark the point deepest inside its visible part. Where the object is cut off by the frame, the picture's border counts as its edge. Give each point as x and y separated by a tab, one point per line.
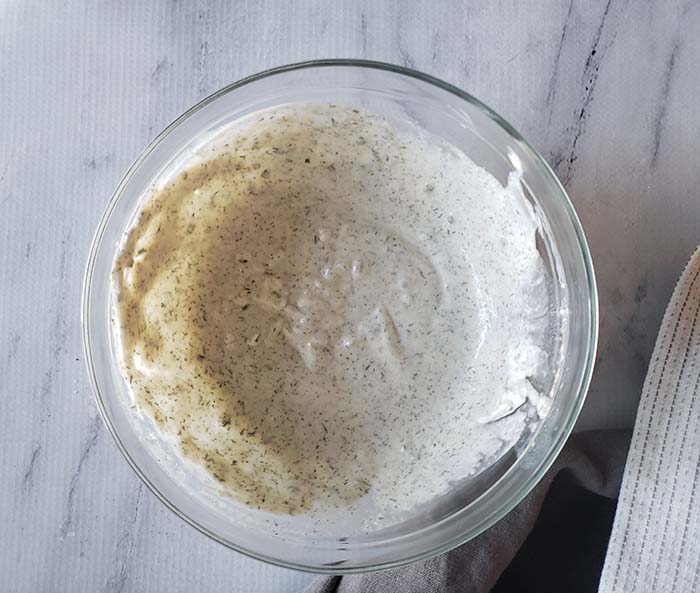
655	541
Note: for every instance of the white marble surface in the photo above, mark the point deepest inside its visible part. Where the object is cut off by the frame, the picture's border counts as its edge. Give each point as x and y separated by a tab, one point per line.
606	89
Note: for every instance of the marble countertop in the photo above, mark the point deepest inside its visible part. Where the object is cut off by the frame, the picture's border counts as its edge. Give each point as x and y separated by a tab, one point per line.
606	89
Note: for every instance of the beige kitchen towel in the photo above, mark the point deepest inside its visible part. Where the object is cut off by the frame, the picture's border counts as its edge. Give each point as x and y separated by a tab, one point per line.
655	542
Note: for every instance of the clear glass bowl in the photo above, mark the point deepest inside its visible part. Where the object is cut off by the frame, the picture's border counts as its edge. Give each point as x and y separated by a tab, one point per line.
489	141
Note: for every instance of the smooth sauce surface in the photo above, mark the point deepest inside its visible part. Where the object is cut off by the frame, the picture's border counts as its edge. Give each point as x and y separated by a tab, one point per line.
322	305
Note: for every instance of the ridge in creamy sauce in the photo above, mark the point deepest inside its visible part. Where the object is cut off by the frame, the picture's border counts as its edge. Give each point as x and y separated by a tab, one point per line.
323	306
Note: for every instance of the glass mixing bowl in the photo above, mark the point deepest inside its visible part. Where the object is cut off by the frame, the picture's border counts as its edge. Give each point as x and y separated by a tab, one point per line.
479	502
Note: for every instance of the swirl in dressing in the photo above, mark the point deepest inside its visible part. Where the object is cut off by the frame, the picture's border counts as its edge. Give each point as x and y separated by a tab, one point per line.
321	304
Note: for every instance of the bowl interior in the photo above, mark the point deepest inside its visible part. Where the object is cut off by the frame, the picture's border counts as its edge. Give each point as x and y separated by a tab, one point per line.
474	504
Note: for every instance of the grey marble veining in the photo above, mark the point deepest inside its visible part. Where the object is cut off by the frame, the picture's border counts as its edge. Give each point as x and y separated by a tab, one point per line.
606	89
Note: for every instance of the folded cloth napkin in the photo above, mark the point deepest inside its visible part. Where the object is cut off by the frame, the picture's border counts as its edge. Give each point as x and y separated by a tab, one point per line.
655	541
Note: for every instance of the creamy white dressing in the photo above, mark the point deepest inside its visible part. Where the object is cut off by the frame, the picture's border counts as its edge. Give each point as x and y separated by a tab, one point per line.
324	307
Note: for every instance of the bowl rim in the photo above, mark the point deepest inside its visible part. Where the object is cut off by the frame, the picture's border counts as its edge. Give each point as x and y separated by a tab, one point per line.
585	377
